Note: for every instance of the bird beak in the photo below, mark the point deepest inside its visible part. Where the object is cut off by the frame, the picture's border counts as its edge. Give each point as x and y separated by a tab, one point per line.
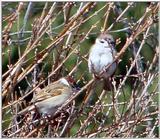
73	83
76	87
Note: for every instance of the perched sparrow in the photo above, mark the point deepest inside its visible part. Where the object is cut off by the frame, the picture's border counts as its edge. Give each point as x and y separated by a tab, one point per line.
48	99
102	54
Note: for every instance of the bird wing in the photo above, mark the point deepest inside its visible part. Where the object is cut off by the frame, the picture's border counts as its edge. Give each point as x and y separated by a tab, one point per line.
47	93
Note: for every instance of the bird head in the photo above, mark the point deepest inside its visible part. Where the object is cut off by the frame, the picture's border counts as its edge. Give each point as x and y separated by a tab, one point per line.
69	81
105	40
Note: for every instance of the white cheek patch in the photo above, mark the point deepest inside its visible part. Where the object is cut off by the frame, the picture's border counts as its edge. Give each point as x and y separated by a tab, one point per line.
104	44
64	81
97	41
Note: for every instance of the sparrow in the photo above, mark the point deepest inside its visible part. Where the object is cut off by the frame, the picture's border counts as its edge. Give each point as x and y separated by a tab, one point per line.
50	98
101	54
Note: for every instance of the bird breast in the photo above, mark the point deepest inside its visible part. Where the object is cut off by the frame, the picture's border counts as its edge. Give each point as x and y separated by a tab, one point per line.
99	58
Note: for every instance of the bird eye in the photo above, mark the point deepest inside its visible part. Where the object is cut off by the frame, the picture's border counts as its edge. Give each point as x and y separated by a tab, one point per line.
101	41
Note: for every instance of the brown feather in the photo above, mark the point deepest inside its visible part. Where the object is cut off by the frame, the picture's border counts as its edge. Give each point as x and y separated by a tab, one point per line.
49	91
46	95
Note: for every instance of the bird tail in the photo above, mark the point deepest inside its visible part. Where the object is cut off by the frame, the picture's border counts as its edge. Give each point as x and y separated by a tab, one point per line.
107	85
27	109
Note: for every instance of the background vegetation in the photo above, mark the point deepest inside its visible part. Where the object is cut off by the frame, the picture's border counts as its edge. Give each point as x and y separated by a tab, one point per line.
44	41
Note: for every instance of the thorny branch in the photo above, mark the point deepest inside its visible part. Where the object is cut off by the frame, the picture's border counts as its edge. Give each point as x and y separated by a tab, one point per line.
58	41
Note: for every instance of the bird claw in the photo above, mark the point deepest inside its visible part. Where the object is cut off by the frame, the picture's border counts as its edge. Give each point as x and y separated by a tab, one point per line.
46	116
97	76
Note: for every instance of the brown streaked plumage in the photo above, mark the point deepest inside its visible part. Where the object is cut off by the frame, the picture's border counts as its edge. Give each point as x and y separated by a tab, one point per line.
48	99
